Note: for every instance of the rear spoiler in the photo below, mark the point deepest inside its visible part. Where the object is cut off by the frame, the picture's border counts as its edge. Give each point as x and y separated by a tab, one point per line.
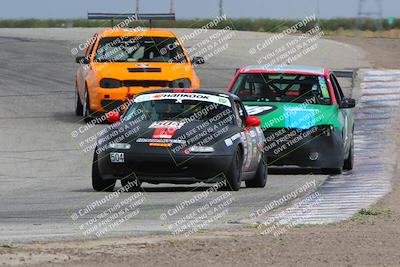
349	74
131	16
338	73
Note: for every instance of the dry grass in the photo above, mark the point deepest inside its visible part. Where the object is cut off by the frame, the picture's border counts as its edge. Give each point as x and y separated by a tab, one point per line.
393	34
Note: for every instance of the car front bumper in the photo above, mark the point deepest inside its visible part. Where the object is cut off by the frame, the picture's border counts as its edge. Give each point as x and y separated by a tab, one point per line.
105	100
319	151
158	168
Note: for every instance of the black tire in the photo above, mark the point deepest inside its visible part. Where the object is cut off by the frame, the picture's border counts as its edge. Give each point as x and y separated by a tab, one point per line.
78	104
131	184
260	178
234	175
98	183
86	107
349	162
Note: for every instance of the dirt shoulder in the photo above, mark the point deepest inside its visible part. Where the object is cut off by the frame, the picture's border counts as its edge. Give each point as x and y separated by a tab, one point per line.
381	52
369	239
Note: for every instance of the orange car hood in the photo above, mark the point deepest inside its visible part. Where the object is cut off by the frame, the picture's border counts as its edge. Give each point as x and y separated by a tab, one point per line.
143	71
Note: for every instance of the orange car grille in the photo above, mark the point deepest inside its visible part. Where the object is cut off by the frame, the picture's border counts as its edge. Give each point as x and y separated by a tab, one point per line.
150	83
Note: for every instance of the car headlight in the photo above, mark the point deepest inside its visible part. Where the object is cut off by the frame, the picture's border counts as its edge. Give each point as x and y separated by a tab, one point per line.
119	146
201	149
110	83
181	83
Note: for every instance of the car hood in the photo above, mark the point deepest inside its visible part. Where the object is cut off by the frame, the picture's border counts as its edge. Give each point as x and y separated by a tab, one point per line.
176	132
292	115
142	71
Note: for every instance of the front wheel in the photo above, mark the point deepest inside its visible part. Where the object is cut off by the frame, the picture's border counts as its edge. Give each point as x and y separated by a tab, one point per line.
332	171
98	183
86	107
349	162
78	104
130	184
260	178
234	175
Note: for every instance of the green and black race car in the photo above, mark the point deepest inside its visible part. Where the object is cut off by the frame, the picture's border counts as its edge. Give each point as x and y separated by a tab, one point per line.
306	119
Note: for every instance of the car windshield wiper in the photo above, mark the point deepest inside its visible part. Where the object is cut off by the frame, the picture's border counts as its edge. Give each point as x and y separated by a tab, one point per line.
248	98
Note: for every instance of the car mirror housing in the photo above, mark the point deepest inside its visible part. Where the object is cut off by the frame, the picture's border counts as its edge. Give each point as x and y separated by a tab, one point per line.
198	60
113	116
347	103
253	121
82	60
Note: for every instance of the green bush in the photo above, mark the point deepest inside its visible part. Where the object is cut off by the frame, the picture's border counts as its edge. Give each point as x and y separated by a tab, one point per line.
264	25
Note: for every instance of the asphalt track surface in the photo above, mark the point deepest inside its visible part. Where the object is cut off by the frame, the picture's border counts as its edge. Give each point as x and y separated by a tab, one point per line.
45	177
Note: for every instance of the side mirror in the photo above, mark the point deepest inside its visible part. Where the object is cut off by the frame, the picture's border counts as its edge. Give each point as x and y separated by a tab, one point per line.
82	60
113	116
347	103
253	121
198	60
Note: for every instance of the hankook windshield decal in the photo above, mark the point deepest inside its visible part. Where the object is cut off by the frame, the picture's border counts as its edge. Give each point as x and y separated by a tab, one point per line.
183	96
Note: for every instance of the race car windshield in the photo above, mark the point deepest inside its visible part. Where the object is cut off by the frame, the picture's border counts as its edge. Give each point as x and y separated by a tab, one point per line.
173	109
139	49
282	88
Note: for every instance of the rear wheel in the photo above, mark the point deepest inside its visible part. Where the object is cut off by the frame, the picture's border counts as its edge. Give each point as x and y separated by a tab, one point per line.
349	162
260	179
98	183
234	175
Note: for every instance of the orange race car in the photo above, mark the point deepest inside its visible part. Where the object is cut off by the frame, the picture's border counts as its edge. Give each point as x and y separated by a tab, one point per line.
120	63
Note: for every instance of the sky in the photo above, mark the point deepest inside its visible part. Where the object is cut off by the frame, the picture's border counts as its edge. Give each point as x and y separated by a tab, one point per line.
43	9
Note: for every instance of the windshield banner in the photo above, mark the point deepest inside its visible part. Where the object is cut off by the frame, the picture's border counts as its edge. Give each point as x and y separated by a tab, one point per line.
184	96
